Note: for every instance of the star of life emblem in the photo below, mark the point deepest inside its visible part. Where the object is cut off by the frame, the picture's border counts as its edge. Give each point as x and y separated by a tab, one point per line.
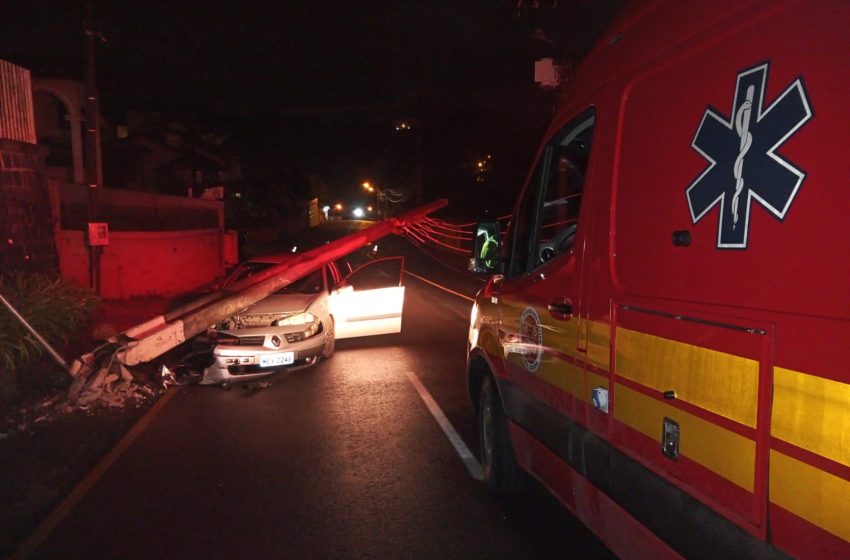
531	333
743	163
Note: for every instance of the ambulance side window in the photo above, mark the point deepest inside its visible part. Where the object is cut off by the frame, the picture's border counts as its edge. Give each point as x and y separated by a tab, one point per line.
522	238
563	189
546	220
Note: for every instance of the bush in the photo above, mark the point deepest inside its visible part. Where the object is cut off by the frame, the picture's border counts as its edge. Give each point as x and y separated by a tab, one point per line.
55	308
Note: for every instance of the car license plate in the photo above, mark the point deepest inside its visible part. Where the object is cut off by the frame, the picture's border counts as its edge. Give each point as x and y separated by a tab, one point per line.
282	359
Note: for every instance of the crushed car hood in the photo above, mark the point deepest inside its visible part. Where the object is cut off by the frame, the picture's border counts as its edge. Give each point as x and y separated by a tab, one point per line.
281	303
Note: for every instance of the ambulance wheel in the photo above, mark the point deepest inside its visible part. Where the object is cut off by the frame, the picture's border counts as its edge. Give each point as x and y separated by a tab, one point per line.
330	341
498	459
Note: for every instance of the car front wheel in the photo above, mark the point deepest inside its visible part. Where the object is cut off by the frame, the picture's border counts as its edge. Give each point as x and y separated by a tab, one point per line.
498	458
330	342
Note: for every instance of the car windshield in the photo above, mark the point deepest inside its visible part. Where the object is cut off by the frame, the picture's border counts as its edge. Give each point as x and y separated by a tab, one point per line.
247	270
310	284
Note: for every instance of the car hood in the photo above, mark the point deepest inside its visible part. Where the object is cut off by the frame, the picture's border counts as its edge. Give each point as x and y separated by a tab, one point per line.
281	303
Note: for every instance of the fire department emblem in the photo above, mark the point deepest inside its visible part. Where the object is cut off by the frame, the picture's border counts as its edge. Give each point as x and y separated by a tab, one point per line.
531	334
743	163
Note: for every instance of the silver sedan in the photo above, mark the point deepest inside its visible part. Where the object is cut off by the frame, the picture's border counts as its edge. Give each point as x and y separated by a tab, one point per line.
299	324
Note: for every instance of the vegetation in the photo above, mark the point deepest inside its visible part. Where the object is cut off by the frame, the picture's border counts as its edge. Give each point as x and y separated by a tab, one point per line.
56	309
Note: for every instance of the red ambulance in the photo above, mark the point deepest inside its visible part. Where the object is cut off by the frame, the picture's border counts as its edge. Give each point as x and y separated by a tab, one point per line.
665	340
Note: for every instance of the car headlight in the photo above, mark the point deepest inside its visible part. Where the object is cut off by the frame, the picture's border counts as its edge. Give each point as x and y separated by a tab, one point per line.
297	319
312	330
225	325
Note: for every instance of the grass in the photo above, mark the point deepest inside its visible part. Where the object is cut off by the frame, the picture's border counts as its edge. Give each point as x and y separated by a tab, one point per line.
57	310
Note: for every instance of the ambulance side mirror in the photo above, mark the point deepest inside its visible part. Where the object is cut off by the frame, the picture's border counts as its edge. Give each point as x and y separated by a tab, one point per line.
486	242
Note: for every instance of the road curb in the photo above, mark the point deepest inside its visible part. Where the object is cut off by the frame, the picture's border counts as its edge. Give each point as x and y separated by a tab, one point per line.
87	483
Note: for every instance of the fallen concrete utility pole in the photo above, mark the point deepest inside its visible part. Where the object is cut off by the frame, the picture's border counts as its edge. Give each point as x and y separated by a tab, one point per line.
153	338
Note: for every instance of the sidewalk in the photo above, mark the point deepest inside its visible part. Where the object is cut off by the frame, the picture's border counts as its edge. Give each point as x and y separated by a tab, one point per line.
42	461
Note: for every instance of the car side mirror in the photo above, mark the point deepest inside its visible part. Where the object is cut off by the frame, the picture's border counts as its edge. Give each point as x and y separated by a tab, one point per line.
342	289
486	242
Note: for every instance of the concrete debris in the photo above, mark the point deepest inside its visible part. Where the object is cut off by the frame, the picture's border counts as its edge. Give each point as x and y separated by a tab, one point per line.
88	359
76	368
110	386
92	388
78	383
114	395
83	365
257	386
52	401
87	398
97	380
167	376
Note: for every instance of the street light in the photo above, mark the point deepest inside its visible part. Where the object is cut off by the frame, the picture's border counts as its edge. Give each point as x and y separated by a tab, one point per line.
368	186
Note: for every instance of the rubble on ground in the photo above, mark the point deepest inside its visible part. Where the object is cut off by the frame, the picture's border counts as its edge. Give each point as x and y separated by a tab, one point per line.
95	385
101	380
256	386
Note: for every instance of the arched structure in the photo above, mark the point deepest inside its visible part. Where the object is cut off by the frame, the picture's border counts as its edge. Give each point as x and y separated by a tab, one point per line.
71	95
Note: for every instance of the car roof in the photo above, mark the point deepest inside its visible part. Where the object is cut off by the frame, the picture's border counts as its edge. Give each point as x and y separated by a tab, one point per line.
272	259
277	258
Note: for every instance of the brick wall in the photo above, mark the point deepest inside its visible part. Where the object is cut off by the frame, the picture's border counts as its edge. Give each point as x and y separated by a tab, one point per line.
26	223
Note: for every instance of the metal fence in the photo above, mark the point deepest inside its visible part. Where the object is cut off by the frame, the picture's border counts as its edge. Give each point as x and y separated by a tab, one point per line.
17	121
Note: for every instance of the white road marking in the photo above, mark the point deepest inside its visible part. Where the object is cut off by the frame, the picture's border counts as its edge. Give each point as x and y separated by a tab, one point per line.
472	464
454	293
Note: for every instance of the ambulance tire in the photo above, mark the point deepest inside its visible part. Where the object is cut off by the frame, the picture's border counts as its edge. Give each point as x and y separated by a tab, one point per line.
501	472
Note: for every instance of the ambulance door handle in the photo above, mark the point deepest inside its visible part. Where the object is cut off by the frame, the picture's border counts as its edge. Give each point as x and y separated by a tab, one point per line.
562	310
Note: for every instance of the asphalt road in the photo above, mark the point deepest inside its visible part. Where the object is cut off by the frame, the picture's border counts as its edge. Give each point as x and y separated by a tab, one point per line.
344	460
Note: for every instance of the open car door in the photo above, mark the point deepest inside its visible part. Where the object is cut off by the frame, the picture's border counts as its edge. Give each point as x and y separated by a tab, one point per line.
370	299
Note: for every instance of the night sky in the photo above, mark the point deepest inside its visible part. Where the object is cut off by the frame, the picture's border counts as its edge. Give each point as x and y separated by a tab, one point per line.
269	56
463	69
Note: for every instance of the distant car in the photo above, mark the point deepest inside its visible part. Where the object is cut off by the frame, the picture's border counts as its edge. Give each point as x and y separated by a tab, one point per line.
300	323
